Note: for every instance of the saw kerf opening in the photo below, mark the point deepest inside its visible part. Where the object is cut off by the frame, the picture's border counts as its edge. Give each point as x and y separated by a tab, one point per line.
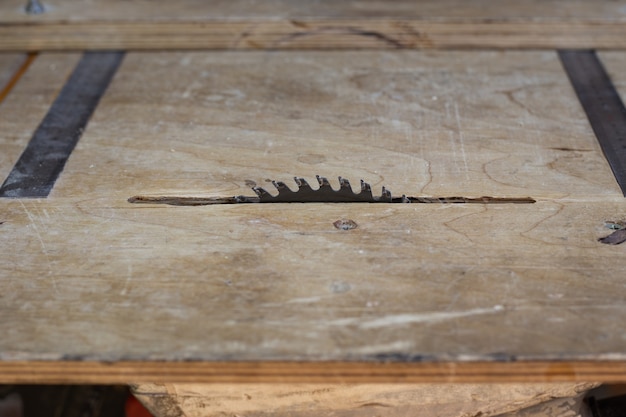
324	194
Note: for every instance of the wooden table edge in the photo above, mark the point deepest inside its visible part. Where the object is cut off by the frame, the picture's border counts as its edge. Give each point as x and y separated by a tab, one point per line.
77	372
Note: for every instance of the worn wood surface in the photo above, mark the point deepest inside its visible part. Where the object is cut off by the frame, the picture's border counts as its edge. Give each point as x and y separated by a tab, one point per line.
88	276
615	64
384	400
9	65
276	24
28	101
574	406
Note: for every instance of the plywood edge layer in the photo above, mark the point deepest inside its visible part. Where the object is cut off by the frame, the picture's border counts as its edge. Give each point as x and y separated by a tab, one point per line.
311	34
306	372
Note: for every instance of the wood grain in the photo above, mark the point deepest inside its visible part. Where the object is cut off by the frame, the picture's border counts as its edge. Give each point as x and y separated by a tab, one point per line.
358	400
501	124
221	10
10	65
280	24
615	65
318	372
95	288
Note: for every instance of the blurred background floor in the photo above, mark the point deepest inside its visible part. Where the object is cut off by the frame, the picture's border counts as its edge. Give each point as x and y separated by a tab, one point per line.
69	401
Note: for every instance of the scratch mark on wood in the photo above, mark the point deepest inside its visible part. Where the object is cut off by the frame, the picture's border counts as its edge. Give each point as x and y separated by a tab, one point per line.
374	404
44	250
567	149
461	139
347	30
403	319
129	277
17	76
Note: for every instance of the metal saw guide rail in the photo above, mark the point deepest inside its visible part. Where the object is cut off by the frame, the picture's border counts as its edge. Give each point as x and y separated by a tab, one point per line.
324	194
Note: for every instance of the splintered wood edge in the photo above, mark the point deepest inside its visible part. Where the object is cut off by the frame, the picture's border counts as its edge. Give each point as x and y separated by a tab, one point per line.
76	372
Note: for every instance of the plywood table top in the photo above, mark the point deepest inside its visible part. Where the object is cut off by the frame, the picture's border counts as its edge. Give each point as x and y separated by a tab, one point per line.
94	285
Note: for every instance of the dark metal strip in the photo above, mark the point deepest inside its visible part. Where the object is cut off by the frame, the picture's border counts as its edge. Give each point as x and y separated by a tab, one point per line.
605	110
41	163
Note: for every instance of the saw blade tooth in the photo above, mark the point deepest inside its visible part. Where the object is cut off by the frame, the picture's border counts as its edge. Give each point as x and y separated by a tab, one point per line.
344	184
386	194
365	187
323	181
280	186
261	192
302	184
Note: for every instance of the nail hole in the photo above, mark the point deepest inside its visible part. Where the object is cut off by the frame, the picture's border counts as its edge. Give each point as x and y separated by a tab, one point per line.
344	224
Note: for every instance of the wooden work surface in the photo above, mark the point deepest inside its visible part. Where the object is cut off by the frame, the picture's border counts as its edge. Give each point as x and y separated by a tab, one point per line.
278	24
275	291
615	62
